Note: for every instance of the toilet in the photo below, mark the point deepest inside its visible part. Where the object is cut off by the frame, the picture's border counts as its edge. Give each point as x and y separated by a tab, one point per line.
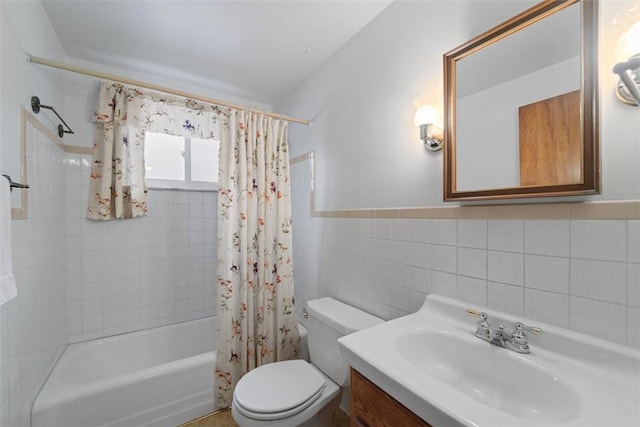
295	392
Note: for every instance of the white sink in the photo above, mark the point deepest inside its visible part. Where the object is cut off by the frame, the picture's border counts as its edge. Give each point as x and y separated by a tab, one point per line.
502	379
432	362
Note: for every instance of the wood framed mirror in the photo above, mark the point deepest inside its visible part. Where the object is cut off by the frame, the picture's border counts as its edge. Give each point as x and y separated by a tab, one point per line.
521	107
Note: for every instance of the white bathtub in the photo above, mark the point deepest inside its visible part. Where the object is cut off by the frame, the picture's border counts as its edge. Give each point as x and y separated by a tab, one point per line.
158	377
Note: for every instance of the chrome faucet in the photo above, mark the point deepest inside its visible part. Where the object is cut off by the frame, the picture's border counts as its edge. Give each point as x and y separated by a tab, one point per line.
515	341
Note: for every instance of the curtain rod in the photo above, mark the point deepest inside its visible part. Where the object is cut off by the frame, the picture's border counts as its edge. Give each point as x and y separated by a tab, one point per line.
101	75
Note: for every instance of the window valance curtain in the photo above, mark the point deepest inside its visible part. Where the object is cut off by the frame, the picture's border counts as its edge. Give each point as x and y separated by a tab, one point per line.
123	116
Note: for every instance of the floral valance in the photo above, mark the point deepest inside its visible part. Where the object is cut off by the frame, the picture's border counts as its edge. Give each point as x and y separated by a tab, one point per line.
123	116
156	112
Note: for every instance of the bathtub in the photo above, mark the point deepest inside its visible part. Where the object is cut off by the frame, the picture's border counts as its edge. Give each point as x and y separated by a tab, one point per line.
157	377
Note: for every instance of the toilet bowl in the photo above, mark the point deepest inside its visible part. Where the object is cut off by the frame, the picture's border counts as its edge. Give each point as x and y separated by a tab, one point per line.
295	392
287	394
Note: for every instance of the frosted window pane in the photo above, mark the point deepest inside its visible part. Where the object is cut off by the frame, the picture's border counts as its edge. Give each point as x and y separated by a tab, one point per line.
204	160
163	156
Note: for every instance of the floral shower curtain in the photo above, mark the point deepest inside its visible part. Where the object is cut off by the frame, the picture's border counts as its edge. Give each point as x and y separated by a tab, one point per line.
255	272
123	116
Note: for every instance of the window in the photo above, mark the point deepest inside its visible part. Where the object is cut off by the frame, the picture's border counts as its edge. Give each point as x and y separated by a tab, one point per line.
181	162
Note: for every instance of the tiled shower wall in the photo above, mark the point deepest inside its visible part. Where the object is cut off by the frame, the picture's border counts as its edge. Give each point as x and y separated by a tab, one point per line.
33	329
138	273
79	279
581	275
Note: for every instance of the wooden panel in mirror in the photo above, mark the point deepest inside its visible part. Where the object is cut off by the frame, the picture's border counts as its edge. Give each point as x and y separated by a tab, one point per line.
550	141
521	107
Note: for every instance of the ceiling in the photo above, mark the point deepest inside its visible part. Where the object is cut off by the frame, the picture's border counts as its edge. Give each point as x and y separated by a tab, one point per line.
258	50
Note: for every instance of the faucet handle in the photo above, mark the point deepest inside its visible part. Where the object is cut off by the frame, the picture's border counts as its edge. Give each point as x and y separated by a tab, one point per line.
533	329
483	316
483	328
472	312
519	337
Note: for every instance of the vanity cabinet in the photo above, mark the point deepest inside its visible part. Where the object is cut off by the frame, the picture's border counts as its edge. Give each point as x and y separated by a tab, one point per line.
372	407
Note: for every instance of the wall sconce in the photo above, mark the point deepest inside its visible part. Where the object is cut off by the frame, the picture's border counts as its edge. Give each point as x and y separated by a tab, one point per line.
628	46
628	88
424	119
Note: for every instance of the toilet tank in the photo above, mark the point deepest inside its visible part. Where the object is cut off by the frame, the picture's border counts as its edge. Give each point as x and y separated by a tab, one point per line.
329	320
304	345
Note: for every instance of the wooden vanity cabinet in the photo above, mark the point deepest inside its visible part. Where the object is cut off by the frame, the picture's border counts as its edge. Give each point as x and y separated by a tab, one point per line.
372	407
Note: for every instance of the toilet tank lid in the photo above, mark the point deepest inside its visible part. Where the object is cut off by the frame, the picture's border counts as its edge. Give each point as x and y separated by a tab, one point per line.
340	316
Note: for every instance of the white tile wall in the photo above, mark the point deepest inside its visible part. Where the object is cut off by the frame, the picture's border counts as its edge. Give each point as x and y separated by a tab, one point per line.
549	307
444	258
547	273
472	234
33	325
506	267
506	298
633	284
588	277
80	279
549	238
444	231
633	241
472	262
139	273
506	236
599	240
582	275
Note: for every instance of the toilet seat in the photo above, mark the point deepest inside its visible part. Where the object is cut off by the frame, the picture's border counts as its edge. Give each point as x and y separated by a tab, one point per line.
273	416
278	390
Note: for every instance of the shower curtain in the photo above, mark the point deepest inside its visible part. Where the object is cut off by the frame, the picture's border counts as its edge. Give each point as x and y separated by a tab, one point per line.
256	310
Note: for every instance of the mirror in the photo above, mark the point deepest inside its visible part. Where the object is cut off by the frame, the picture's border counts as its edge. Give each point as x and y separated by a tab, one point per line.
521	115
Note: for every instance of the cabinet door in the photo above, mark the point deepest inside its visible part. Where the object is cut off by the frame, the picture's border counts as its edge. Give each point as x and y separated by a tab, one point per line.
372	407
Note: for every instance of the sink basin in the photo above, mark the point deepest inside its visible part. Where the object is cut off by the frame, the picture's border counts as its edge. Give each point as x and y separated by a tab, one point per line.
503	380
432	362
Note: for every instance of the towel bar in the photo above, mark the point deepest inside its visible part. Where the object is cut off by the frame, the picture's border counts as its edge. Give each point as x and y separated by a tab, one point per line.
36	106
13	185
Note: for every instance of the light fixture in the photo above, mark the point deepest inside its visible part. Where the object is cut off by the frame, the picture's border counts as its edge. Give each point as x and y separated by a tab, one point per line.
628	46
426	116
628	88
